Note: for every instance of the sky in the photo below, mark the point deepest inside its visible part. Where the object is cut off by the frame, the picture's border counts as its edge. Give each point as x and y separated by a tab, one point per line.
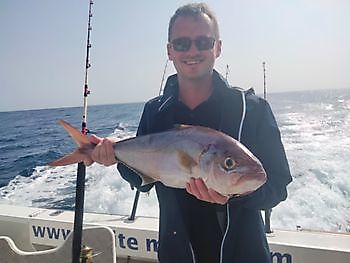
305	44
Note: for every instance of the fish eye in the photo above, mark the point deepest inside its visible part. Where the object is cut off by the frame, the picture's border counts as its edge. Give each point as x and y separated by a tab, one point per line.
229	163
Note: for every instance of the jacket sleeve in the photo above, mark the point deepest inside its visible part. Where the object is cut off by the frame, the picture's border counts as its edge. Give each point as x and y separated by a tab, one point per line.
270	151
133	178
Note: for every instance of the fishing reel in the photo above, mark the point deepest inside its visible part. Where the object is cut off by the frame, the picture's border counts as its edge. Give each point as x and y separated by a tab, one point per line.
86	254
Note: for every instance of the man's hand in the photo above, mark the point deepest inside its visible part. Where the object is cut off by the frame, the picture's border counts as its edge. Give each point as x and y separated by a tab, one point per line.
197	188
103	152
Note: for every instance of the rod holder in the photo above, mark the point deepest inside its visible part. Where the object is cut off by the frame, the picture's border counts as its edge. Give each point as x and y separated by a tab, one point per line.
268	221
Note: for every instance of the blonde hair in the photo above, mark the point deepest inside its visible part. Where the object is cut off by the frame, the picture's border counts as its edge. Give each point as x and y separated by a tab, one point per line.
194	10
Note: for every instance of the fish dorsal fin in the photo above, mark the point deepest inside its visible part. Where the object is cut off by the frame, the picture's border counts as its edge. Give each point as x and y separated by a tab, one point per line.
182	126
186	160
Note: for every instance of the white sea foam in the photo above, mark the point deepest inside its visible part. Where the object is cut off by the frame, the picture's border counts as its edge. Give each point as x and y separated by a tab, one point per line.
106	191
45	185
319	195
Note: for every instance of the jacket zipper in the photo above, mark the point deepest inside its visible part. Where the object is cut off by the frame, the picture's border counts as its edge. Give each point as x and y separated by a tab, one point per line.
227	205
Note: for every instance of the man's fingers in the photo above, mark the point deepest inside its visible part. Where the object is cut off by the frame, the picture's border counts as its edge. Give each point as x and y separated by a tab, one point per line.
202	190
198	188
109	152
88	161
191	188
104	152
218	198
188	188
95	139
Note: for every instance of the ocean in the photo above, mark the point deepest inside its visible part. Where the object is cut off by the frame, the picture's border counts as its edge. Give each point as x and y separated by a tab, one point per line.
315	131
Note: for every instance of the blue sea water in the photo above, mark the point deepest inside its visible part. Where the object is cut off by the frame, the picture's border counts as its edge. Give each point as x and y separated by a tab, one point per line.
315	131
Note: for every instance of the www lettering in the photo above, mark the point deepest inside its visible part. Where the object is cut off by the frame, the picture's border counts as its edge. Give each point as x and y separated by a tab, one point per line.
50	232
281	258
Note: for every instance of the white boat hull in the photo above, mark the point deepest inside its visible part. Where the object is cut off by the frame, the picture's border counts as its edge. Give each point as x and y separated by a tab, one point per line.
34	229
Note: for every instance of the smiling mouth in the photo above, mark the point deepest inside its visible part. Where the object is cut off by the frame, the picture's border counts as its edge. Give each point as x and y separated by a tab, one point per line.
192	61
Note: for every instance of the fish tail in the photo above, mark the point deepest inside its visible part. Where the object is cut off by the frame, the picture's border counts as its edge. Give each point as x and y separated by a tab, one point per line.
75	157
81	140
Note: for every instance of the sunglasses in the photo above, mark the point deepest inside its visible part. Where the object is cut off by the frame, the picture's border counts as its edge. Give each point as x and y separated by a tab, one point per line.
183	44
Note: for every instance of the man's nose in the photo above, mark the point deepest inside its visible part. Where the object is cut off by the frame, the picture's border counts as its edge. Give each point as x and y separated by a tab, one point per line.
193	49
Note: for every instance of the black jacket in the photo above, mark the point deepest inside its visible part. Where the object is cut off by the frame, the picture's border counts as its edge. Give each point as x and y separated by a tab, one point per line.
249	118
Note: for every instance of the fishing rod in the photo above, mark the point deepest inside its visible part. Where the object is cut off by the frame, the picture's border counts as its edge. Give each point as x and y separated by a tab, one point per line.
81	172
267	211
227	71
264	70
162	81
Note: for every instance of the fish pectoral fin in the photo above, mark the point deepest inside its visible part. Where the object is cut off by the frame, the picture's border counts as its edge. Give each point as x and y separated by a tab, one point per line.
186	160
182	126
74	157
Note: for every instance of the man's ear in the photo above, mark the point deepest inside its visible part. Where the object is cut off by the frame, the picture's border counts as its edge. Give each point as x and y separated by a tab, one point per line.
218	45
169	50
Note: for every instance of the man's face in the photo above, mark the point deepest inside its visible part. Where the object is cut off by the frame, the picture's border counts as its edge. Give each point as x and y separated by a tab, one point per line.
193	64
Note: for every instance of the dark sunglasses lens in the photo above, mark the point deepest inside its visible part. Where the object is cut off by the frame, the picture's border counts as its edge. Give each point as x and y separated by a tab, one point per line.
184	43
204	43
181	44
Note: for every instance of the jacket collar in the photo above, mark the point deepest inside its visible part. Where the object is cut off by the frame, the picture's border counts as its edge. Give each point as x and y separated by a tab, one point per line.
171	90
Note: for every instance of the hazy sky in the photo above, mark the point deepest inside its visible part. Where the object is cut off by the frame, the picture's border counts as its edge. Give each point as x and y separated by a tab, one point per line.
305	43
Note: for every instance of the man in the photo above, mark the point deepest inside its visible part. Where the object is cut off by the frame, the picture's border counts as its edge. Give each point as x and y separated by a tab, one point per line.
198	224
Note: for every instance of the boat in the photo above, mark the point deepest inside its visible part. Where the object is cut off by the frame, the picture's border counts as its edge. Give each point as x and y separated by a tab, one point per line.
28	232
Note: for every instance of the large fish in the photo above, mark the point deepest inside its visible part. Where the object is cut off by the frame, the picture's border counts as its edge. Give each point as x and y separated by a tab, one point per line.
173	157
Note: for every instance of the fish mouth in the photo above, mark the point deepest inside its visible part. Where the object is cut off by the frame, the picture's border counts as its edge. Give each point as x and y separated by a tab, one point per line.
249	185
243	182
